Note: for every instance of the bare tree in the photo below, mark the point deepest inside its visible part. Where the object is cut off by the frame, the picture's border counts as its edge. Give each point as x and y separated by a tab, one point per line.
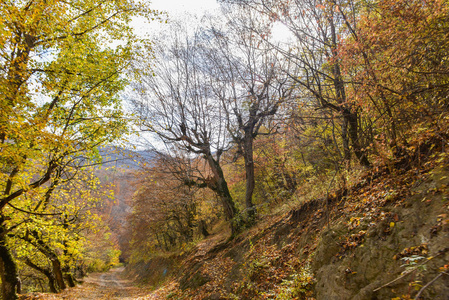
245	74
181	110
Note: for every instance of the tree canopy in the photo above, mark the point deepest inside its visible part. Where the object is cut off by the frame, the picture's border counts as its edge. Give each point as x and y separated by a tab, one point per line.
62	71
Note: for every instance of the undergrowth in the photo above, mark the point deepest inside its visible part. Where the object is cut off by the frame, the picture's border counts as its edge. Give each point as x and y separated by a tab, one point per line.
275	258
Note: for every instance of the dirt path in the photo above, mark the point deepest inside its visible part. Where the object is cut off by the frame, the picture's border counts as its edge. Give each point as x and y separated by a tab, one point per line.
108	285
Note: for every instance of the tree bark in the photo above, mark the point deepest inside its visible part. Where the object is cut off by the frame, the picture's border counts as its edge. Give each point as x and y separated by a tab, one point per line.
345	138
221	187
203	228
350	118
70	280
66	270
250	176
354	135
47	273
57	271
8	269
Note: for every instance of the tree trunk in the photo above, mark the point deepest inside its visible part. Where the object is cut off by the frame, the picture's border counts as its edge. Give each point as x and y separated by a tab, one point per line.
350	127
52	256
221	188
66	270
250	176
350	119
8	269
47	273
191	212
52	283
55	262
203	228
345	138
354	135
69	278
57	271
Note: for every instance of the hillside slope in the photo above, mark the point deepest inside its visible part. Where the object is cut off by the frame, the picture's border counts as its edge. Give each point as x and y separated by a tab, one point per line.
387	237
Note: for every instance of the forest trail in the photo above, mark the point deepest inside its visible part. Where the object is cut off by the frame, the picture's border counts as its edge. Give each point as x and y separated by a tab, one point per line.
109	285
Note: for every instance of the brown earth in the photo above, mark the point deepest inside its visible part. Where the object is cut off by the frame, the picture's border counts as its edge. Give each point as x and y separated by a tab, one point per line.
110	285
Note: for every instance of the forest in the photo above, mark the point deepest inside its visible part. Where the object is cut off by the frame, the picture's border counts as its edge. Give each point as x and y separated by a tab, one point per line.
223	158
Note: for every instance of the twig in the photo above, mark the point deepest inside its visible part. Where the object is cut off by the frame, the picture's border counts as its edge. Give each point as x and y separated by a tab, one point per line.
394	280
428	284
411	271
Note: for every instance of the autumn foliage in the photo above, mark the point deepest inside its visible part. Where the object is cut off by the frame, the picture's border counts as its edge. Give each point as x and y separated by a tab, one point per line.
248	125
354	81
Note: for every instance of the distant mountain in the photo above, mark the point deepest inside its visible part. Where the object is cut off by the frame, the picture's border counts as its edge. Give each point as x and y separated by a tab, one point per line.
119	157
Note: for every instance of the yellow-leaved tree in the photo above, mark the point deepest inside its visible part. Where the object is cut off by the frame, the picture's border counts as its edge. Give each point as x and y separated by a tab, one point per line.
54	237
61	72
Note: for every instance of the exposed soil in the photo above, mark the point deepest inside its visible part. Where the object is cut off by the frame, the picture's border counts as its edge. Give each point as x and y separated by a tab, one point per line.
110	285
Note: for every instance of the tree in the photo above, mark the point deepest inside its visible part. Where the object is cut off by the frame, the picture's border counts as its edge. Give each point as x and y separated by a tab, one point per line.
396	83
59	85
178	106
53	242
316	26
246	76
164	206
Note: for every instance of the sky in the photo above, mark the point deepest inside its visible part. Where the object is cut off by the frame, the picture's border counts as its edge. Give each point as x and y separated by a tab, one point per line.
180	9
177	10
182	6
